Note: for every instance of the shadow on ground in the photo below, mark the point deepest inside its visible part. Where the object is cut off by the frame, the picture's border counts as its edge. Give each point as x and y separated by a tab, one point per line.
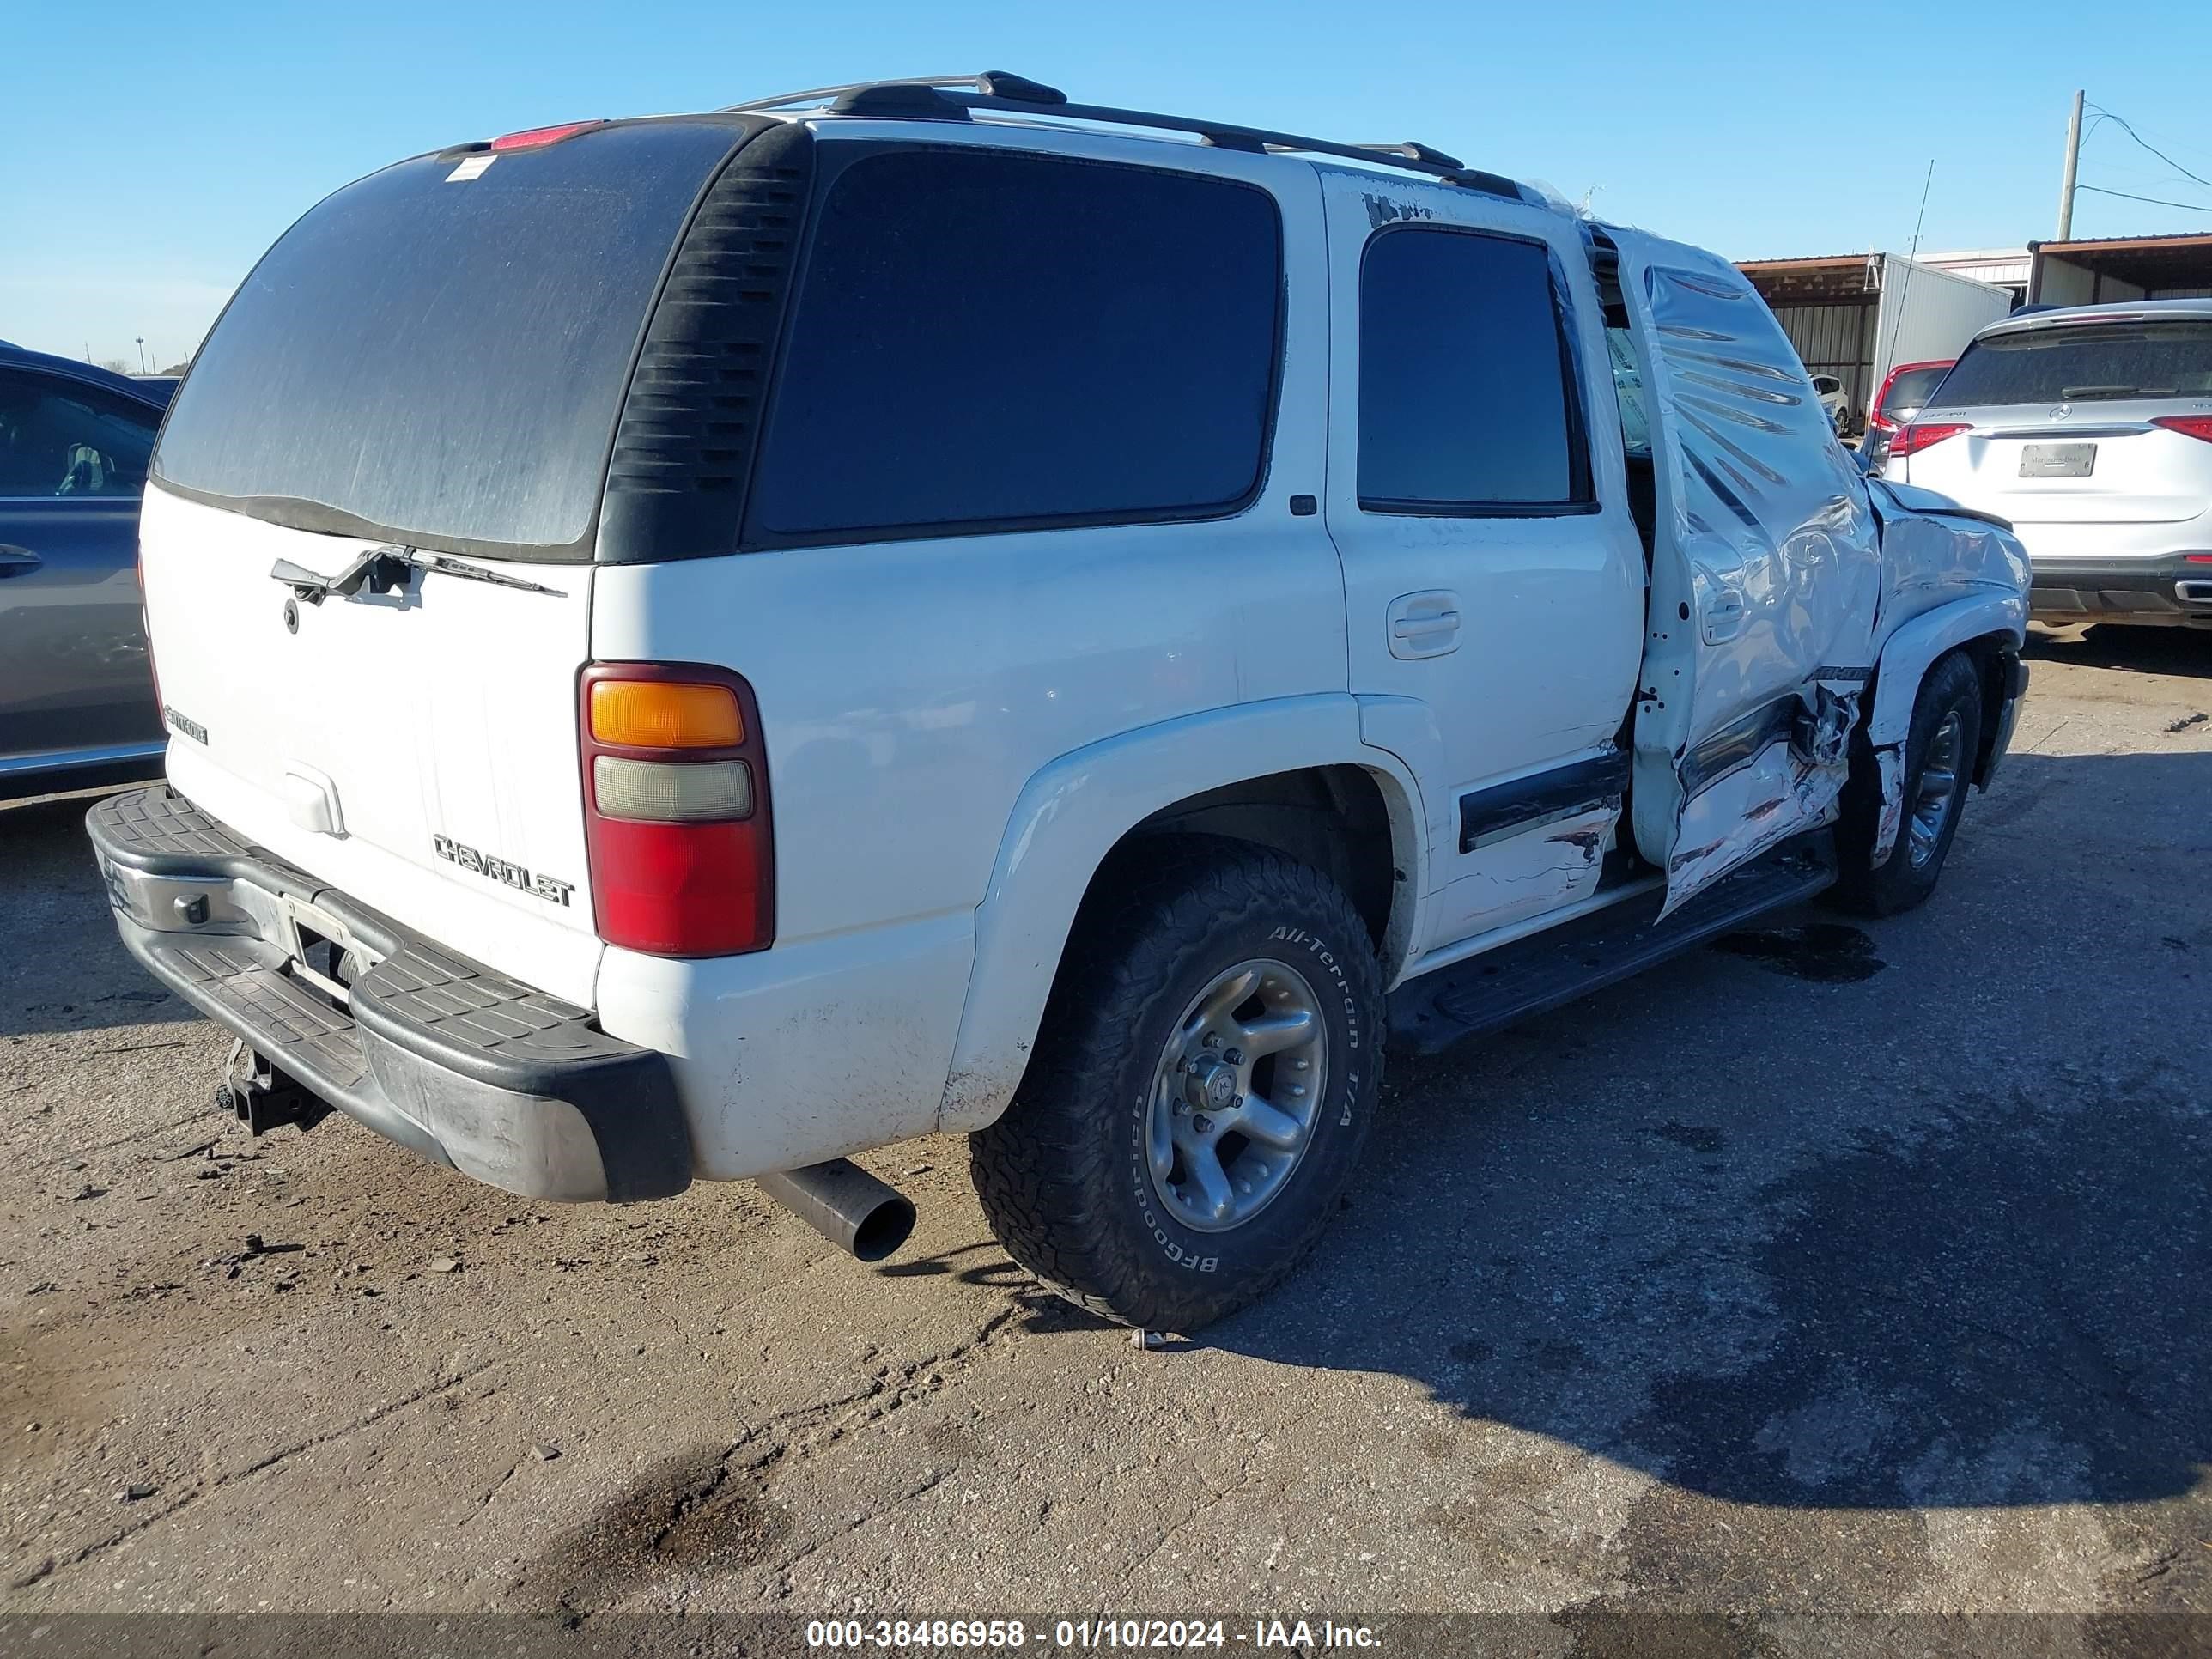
2183	651
1878	1265
62	968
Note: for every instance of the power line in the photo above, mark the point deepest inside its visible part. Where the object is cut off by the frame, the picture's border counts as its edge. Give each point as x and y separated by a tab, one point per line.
2104	114
2155	201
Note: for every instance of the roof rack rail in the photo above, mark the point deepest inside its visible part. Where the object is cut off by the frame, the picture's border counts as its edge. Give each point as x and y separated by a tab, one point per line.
952	97
991	83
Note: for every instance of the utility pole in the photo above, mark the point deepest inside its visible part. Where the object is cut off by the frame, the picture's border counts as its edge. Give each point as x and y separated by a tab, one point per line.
142	352
2073	161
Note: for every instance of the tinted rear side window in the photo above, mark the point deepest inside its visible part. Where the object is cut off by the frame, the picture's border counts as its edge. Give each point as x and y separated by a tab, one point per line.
1912	386
988	341
440	359
58	438
2082	363
1466	401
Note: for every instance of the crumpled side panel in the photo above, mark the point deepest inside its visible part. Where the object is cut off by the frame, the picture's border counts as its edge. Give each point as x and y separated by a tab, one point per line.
1769	511
1889	760
1931	557
1765	580
1760	805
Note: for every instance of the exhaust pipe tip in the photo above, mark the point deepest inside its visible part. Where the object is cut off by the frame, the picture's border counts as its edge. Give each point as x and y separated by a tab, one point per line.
883	1230
863	1217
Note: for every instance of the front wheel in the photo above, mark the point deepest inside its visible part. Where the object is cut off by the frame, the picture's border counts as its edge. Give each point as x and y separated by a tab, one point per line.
1940	755
1202	1089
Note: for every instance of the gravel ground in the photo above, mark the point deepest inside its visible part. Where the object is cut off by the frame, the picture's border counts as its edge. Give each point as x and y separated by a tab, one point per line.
1830	1271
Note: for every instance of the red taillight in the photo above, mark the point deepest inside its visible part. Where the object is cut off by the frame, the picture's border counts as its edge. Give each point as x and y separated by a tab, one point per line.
678	829
2188	426
1921	434
532	137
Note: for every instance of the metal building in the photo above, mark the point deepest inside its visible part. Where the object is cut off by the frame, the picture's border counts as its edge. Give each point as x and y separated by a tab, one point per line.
2092	272
1854	315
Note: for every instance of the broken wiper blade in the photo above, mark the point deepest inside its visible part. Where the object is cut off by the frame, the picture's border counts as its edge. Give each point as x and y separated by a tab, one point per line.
381	569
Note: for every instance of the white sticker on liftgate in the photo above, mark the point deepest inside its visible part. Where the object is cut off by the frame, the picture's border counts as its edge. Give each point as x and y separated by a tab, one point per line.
472	167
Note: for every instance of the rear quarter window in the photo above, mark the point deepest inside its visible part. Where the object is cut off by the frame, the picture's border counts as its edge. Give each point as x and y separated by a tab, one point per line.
985	340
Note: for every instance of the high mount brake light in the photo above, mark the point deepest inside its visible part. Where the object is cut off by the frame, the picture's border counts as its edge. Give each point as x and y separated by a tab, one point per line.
676	810
537	138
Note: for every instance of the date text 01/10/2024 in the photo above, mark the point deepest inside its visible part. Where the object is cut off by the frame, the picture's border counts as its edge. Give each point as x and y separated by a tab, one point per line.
998	1634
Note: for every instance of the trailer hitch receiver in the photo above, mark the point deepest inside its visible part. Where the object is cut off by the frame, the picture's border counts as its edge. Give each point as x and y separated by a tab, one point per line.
263	1097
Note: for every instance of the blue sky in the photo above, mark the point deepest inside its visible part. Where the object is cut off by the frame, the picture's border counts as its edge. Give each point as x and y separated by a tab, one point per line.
144	172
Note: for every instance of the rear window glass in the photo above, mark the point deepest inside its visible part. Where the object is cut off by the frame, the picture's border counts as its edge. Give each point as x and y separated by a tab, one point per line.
1910	388
1465	402
2082	363
987	341
440	359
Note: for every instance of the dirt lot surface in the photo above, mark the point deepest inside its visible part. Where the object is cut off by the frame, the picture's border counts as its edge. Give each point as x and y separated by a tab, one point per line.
1831	1270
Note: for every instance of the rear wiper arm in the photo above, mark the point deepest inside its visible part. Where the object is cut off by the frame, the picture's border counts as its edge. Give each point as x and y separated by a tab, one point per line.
315	587
381	569
477	573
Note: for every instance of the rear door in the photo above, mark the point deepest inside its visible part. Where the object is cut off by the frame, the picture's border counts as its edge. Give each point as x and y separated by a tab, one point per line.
73	676
2060	424
430	365
1765	575
1493	590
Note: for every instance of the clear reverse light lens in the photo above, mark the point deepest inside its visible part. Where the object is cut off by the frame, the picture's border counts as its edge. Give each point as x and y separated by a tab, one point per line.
671	792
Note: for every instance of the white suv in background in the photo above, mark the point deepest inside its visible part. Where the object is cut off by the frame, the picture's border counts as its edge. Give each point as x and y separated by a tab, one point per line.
2090	429
1836	401
697	646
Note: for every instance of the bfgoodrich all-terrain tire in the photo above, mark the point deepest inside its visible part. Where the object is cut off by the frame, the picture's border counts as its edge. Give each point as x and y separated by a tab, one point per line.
1940	755
1202	1086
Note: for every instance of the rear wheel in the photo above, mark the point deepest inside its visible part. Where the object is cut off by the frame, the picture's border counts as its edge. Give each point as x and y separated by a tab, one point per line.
1199	1094
1940	754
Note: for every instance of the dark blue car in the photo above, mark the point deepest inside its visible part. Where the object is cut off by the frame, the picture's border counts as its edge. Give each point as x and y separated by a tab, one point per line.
77	706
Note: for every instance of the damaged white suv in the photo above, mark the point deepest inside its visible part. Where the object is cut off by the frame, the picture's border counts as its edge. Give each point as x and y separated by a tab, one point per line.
697	646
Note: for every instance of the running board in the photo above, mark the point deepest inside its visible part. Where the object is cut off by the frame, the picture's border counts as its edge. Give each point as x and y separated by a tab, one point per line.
1530	976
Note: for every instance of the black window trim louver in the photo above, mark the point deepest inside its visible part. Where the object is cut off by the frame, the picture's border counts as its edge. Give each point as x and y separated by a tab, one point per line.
690	421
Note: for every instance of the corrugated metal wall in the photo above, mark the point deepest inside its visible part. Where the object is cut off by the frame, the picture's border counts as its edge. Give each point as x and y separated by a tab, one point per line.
1835	339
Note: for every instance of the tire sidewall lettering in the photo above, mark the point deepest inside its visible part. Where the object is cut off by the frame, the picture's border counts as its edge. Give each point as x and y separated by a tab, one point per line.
1171	1240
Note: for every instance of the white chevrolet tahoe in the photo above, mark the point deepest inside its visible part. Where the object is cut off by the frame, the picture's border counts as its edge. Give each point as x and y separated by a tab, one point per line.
694	646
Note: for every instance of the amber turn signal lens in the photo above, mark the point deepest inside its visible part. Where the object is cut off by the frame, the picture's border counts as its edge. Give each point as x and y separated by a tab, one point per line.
666	714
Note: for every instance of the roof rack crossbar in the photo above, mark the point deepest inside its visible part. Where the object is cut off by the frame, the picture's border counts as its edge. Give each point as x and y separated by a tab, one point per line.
995	90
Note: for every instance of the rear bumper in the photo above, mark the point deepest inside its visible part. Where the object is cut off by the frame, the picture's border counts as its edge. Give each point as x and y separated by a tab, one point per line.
2169	591
460	1063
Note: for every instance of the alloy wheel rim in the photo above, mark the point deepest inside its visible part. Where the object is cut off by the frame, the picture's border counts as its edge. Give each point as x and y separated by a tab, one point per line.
1236	1095
1938	787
